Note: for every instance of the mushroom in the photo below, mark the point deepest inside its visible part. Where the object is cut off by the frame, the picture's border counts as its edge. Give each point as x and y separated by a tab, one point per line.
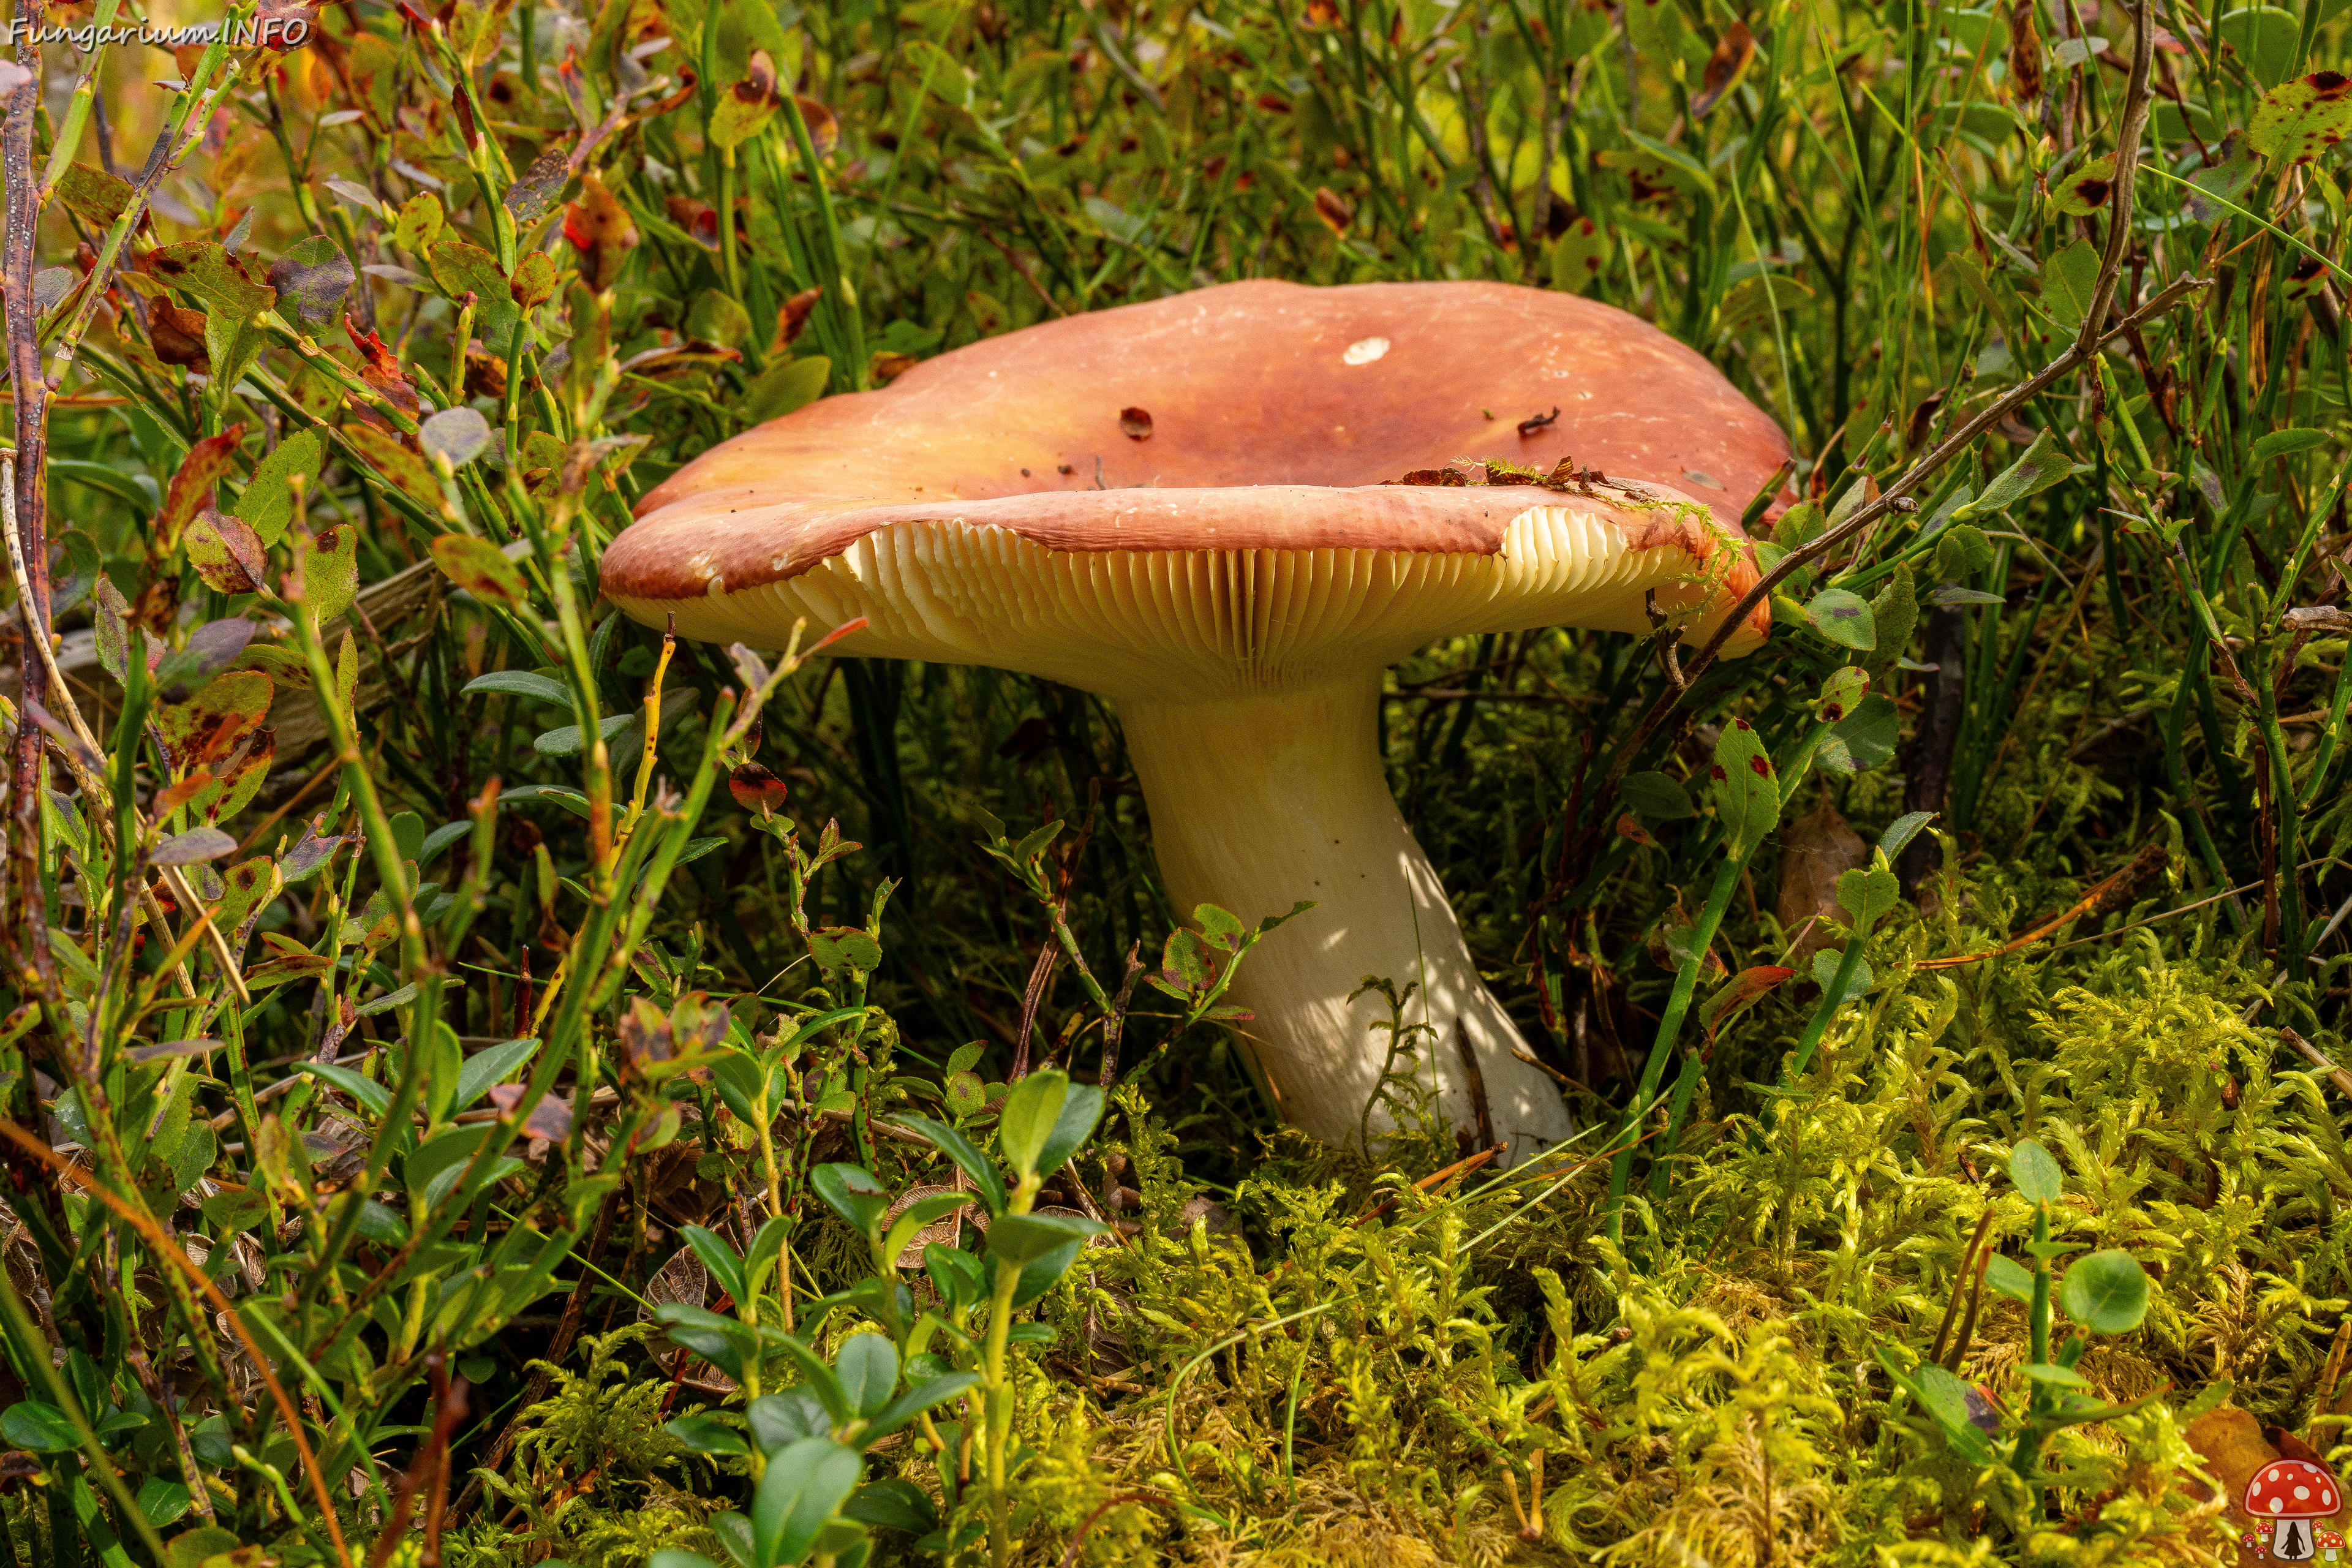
1189	507
2288	1494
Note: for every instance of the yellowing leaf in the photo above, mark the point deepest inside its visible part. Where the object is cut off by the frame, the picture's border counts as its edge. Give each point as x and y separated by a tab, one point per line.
481	569
2302	119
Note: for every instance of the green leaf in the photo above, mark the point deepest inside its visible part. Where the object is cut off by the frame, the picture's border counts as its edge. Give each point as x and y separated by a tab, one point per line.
2059	1376
1039	1275
192	1548
2300	119
571	800
1867	893
229	1212
489	1067
38	1428
373	1096
162	1501
918	1217
1028	1119
313	277
1844	617
784	386
2007	1276
1082	1109
717	1339
718	1256
1826	965
916	1400
1962	551
460	268
780	1420
1017	1239
867	1366
206	270
570	742
1747	789
1895	611
895	1504
841	948
2036	1173
851	1192
707	1435
1579	255
330	573
2264	37
1934	1397
1843	691
804	1486
2069	279
2106	1292
1655	796
2282	443
955	1274
518	683
2215	188
266	502
2086	192
959	1148
2041	465
483	570
767	1245
1902	831
92	194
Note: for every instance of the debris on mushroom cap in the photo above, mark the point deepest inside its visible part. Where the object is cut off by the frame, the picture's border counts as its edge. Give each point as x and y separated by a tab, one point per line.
2291	1488
1270	421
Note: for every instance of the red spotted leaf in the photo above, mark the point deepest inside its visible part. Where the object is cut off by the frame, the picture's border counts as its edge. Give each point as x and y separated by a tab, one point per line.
192	487
601	231
225	553
210	726
1747	789
380	368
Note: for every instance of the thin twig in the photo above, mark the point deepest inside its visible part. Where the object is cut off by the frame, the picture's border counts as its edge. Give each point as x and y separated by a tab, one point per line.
1070	1552
2312	1054
24	223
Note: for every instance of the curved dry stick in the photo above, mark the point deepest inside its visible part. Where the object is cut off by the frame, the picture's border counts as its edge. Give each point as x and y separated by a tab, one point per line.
170	1252
1070	1552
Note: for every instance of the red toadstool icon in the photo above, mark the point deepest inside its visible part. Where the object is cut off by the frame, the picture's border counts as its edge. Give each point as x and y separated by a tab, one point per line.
2331	1543
2288	1494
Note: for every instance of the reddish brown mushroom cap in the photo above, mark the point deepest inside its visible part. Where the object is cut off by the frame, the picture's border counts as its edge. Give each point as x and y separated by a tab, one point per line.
1252	418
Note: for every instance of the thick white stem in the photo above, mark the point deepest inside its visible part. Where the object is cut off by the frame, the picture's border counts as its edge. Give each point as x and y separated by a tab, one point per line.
1259	802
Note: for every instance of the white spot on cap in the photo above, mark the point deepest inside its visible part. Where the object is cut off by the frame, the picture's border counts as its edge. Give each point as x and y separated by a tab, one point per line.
716	586
1364	351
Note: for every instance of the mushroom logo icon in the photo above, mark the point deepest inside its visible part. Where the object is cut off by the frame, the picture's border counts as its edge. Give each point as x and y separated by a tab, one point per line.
2288	1494
2331	1545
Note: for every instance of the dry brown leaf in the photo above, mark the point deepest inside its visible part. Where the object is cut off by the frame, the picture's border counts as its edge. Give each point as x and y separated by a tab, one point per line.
1815	850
